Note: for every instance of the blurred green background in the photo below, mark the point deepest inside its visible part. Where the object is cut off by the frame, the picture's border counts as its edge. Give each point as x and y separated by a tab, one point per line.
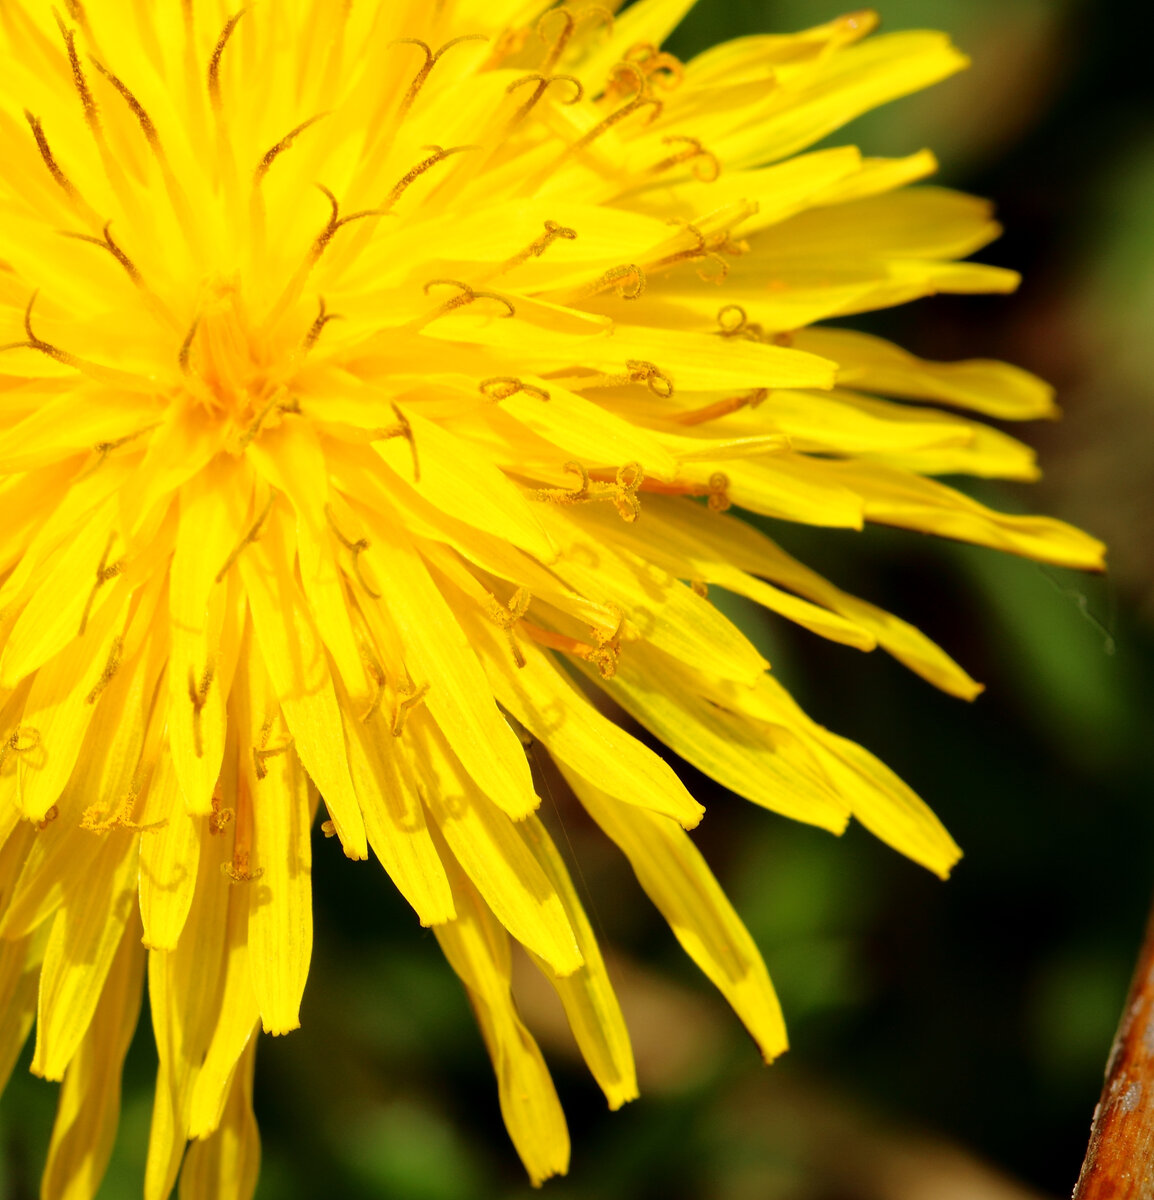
948	1039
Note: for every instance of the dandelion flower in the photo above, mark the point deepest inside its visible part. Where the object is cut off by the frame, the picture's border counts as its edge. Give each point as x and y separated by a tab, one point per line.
375	383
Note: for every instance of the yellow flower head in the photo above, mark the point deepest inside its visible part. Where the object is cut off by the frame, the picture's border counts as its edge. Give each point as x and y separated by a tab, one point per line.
376	379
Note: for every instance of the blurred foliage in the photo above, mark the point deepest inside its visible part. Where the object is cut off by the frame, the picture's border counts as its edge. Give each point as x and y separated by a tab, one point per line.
947	1038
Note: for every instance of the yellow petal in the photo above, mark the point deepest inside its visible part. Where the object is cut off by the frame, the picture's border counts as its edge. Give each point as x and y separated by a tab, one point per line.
225	1165
86	933
395	819
746	548
53	615
543	700
184	988
169	857
201	660
295	659
675	877
994	388
666	612
292	460
850	82
20	960
88	1110
894	497
437	653
464	484
477	948
587	994
762	761
681	538
237	1024
491	850
279	897
878	798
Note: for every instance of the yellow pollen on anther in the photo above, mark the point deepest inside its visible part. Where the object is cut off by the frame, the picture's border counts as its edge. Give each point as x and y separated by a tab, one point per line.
505	617
263	752
501	387
104	572
401	429
110	669
198	694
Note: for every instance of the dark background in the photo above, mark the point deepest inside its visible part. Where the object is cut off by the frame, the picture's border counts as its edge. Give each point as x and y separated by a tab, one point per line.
948	1039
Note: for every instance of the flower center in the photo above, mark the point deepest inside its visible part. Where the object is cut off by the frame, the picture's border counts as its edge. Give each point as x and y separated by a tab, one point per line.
224	358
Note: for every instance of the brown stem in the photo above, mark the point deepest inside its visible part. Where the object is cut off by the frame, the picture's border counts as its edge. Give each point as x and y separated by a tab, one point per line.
1120	1158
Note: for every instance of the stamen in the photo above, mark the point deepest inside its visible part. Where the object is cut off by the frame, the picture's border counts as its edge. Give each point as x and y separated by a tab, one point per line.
568	495
408	697
622	491
214	62
328	829
104	572
356	549
706	164
438	155
322	319
629	479
650	374
719	499
572	20
505	617
553	54
629	280
146	125
722	408
238	869
704	249
467	296
186	346
220	816
501	387
198	694
100	818
431	61
604	654
35	343
544	82
110	668
248	539
265	751
91	113
284	144
109	244
401	429
732	320
106	448
535	249
699	588
336	221
46	154
716	489
608	649
656	64
641	100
